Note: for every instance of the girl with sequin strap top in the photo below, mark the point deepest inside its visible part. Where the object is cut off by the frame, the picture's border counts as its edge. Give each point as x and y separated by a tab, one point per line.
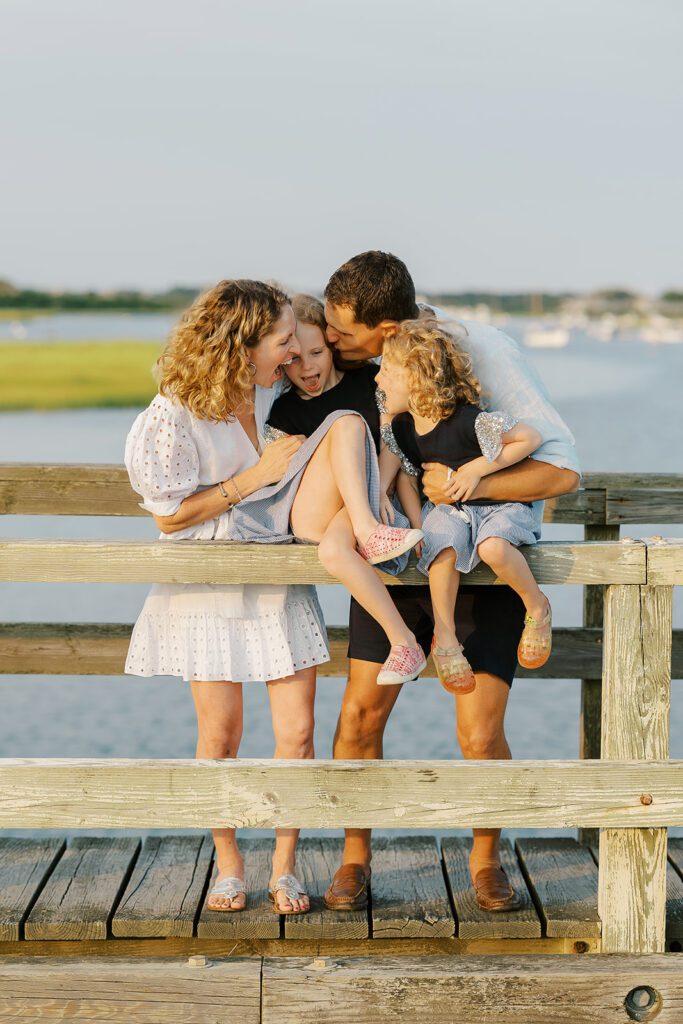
432	397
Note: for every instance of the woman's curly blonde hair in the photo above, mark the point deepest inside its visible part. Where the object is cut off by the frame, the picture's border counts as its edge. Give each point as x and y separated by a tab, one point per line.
205	365
439	372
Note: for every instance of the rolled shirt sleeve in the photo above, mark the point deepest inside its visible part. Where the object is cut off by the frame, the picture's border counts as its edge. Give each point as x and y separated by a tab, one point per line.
161	457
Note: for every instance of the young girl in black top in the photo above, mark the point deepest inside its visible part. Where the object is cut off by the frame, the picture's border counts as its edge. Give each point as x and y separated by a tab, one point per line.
432	395
313	375
318	389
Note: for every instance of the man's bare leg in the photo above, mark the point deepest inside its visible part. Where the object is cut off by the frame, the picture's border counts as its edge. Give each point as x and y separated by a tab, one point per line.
360	736
481	734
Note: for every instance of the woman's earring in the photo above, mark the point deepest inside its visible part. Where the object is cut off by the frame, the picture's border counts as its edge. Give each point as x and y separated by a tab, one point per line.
252	367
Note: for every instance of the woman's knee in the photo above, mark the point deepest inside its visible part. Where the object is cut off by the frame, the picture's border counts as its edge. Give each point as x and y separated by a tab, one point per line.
219	739
295	740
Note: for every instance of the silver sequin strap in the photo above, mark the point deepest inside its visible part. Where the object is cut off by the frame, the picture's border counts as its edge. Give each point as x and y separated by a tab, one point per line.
390	442
271	434
489	428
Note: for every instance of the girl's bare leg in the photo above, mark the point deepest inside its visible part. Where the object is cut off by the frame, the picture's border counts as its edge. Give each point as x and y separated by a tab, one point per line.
219	720
444	580
334	478
291	705
511	567
337	552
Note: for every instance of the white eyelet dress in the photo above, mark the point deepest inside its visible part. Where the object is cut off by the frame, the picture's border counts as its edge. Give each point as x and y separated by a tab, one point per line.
240	632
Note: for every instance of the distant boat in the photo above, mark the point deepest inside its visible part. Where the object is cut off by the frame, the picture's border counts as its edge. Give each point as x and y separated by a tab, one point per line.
662	332
546	337
17	330
603	329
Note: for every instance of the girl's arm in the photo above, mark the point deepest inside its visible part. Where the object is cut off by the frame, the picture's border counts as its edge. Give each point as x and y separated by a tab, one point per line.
517	443
406	488
389	465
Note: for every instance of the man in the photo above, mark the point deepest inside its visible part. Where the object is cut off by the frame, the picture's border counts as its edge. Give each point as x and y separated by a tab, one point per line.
364	301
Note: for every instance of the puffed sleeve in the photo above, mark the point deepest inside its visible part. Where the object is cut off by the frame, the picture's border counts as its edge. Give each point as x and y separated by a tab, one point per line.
271	433
390	442
161	457
489	428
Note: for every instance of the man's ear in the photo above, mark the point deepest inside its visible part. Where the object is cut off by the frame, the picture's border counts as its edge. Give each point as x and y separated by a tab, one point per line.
388	328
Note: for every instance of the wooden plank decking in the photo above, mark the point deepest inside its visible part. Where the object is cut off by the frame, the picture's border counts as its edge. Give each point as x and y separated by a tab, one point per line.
94	896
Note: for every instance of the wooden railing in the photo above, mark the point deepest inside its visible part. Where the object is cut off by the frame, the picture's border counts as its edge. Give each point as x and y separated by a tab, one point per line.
632	795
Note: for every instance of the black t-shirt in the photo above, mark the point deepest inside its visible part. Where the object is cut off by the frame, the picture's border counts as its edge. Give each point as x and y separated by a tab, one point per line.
355	391
452	442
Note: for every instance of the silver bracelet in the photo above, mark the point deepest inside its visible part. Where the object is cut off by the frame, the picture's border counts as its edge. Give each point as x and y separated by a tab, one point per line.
224	493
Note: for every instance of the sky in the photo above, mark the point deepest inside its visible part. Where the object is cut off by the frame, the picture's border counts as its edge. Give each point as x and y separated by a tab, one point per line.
492	144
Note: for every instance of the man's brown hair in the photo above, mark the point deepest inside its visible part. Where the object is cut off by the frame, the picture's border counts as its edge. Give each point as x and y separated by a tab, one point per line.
376	286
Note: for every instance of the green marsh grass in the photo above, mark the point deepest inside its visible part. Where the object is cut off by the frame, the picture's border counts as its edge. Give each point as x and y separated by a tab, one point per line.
77	375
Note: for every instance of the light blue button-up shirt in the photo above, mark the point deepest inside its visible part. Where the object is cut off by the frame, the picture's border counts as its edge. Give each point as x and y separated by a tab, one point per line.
509	383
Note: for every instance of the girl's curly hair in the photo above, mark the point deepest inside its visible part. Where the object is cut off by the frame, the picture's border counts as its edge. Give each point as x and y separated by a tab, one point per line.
439	371
205	365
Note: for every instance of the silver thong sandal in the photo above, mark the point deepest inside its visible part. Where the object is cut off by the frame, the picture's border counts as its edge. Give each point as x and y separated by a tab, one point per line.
229	887
293	890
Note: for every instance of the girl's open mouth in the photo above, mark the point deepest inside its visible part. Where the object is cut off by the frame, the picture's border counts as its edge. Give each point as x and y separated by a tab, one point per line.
311	383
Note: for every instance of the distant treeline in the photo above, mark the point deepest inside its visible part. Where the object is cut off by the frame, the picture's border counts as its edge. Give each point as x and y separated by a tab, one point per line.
123	301
522	303
514	303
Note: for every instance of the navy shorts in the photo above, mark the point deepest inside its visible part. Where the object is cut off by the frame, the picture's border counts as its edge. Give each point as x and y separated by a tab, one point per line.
488	620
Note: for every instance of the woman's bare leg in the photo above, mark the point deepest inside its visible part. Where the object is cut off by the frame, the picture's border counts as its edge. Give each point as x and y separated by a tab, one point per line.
334	478
337	552
219	720
444	580
291	705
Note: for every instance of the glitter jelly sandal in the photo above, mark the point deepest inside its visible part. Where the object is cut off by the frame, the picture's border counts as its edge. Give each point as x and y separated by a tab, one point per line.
453	669
536	641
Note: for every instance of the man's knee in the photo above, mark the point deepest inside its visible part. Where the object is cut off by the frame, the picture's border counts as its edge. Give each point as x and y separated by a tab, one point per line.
361	723
481	741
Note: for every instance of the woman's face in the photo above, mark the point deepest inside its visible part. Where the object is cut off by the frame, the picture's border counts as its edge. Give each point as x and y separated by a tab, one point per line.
393	381
310	370
275	349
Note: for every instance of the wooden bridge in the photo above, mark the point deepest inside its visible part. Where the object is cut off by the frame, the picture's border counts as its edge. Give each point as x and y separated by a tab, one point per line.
116	929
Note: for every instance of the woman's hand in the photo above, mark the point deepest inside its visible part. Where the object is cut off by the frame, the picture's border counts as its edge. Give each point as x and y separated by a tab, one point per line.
273	464
386	509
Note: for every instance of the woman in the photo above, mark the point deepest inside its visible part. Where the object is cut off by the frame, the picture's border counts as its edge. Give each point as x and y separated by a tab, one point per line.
198	459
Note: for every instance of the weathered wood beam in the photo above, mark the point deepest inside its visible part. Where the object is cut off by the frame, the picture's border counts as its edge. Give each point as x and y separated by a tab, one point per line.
104	490
98	648
591	682
635	724
89	793
64	561
129	991
478	990
665	561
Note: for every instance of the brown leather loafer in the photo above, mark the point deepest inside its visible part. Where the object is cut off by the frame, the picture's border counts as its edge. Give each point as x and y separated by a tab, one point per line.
493	892
348	889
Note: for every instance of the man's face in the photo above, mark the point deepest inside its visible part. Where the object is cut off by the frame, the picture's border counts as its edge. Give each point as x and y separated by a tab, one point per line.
353	341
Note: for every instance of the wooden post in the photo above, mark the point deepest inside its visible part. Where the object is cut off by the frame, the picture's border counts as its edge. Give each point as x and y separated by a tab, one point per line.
635	724
591	689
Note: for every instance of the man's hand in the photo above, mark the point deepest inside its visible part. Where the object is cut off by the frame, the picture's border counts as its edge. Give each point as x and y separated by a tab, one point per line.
529	480
435	483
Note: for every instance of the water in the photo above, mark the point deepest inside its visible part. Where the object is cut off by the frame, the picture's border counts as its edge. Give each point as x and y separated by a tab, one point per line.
87	327
622	402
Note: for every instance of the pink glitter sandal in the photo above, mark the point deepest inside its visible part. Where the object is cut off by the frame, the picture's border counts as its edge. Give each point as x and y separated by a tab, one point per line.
402	666
387	542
